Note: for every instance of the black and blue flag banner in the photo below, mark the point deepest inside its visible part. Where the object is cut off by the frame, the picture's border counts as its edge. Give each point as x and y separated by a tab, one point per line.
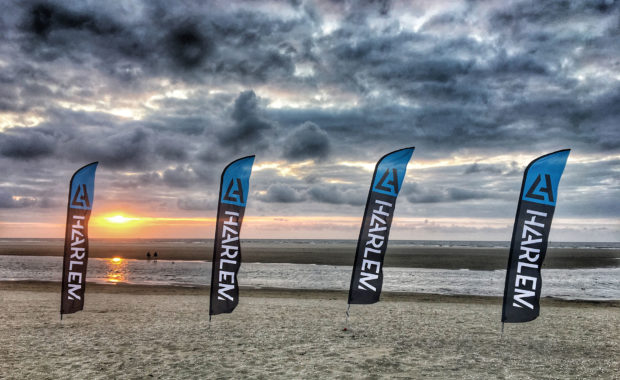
234	187
367	277
81	196
539	194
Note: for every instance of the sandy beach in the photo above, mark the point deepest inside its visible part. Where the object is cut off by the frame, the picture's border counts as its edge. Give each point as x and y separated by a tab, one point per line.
130	332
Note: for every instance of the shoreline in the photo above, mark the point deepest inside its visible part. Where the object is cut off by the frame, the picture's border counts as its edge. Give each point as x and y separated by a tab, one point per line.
473	258
267	292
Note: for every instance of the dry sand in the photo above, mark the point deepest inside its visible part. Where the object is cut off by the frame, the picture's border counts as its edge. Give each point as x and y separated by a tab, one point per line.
163	332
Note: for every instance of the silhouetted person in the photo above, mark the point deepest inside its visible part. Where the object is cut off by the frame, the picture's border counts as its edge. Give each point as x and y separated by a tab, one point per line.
155	255
148	255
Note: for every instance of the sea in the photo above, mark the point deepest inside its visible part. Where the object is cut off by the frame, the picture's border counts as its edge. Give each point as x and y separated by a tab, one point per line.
598	284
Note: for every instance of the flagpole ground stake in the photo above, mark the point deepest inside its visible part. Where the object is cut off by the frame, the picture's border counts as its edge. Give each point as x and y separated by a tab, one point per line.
346	321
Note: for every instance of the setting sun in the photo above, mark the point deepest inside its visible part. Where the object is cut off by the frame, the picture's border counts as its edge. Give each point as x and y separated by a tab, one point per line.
119	219
116	260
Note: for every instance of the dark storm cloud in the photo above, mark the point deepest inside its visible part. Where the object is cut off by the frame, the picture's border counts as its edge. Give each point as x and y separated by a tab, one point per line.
245	130
189	47
179	177
307	141
416	193
171	149
124	149
455	77
46	202
191	125
166	39
96	137
280	193
468	88
53	30
334	194
248	123
597	122
147	179
192	204
524	13
315	80
487	168
7	201
26	143
207	174
44	18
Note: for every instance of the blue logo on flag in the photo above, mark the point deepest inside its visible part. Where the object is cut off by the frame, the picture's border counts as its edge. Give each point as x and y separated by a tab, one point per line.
83	188
543	177
236	181
390	172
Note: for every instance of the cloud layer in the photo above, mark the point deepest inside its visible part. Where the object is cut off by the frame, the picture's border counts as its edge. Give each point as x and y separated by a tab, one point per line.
164	95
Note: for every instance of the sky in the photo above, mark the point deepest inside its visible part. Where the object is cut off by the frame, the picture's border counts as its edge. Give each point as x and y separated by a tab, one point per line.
164	94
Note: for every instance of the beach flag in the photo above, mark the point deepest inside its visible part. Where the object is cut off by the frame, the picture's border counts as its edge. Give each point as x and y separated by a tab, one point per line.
387	180
81	196
234	188
539	194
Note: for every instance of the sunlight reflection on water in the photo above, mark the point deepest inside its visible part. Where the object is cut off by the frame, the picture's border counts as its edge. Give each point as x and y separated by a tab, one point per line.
116	270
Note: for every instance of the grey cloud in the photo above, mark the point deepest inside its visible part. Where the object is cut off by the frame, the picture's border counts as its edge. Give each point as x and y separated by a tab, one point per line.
53	30
213	153
523	12
162	40
191	203
419	194
126	149
206	174
47	202
333	194
179	177
44	18
137	181
189	47
7	201
478	79
468	88
172	149
279	193
248	133
26	143
189	125
484	168
307	141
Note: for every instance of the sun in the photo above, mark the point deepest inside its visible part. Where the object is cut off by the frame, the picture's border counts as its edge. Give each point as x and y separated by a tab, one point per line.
119	219
116	260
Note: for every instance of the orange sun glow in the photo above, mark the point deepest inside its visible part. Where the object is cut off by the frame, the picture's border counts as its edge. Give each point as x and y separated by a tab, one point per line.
119	219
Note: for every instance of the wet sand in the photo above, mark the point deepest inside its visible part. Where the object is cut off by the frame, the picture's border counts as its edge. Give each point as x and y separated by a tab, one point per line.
129	332
326	253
